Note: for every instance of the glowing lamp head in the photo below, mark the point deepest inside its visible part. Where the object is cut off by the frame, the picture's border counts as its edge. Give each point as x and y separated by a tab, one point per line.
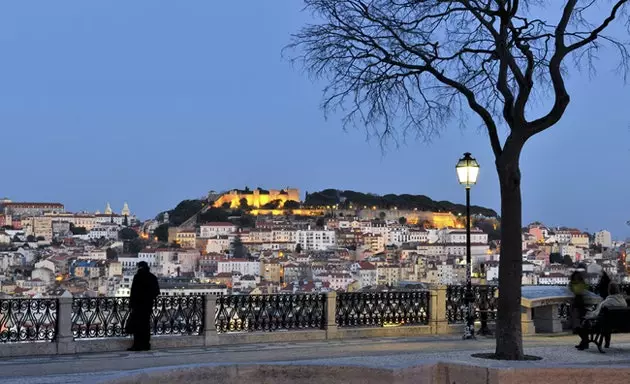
467	170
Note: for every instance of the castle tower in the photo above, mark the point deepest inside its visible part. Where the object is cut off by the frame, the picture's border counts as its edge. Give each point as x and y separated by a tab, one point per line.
108	209
125	211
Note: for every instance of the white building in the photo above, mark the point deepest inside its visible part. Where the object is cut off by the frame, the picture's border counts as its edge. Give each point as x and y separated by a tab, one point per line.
218	244
367	274
317	240
554	279
337	280
458	236
108	231
216	229
244	267
603	238
149	256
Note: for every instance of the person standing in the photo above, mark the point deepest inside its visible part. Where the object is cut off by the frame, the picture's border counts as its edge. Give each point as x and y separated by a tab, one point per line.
578	287
602	287
144	290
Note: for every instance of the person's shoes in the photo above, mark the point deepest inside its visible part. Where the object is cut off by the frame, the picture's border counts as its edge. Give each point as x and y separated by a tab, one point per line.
581	347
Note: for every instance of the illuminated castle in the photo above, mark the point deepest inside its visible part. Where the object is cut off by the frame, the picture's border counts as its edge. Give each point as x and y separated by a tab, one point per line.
258	197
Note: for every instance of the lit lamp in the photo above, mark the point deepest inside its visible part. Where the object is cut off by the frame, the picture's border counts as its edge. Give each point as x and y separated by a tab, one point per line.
467	171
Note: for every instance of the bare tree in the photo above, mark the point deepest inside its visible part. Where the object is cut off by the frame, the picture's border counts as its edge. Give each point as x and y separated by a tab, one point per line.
402	67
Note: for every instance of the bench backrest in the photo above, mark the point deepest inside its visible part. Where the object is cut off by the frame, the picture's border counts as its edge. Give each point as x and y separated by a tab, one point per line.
616	319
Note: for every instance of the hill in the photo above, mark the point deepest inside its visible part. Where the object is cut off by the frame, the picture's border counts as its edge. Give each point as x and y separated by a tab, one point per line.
358	199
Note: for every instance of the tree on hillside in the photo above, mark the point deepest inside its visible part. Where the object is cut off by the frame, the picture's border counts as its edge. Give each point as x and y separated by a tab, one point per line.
402	220
161	233
298	248
213	214
225	205
567	261
243	204
555	258
417	64
382	215
238	249
319	223
77	230
127	234
184	211
291	204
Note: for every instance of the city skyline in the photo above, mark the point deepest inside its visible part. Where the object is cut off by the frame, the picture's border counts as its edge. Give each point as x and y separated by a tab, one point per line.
121	108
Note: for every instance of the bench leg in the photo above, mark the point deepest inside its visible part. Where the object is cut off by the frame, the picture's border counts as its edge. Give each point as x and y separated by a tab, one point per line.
597	339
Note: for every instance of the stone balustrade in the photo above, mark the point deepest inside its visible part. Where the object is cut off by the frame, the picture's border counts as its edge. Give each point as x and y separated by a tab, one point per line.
79	325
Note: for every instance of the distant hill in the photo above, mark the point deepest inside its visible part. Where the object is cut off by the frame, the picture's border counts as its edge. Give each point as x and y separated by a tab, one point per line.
358	199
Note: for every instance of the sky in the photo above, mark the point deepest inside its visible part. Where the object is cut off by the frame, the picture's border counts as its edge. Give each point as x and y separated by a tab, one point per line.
151	102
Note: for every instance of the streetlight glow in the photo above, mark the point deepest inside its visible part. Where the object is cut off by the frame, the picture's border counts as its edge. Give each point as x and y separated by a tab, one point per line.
467	170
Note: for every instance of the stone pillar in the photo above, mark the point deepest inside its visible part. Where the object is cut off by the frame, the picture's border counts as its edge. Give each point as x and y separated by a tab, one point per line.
331	311
546	319
65	340
437	309
211	337
527	323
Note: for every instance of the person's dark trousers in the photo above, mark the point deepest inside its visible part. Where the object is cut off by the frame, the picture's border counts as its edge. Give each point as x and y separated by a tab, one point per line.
142	334
583	332
607	340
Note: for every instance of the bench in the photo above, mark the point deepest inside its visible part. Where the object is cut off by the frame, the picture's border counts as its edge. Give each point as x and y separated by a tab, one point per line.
609	321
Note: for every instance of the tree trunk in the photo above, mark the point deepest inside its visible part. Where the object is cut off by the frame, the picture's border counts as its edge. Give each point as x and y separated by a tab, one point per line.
509	333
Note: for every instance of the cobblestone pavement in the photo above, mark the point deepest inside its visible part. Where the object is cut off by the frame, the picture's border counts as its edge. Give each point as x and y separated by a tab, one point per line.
383	352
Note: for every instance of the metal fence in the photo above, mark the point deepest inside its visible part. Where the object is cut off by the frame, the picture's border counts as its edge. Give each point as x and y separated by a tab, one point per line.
378	309
485	301
102	317
28	320
244	313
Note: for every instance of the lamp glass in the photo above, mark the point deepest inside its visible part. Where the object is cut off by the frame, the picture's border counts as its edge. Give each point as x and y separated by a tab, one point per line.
467	170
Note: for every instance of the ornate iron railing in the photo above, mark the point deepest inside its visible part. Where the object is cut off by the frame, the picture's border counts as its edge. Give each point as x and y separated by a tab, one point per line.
378	309
101	317
485	300
241	313
23	320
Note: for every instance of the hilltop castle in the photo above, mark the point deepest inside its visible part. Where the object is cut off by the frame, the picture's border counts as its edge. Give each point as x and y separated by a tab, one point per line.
257	198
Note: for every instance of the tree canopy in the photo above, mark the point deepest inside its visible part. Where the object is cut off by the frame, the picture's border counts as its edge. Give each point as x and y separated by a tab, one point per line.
388	201
127	234
184	211
291	204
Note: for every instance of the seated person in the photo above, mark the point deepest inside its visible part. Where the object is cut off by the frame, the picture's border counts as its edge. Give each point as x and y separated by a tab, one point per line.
615	299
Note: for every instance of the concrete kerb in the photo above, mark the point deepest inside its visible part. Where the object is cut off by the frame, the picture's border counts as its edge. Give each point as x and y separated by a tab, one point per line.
428	373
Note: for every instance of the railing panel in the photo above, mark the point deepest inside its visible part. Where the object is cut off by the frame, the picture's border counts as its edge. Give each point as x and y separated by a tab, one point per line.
456	304
28	320
256	313
378	309
103	317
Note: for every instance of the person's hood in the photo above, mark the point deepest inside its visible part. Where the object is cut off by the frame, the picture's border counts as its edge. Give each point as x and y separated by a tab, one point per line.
617	300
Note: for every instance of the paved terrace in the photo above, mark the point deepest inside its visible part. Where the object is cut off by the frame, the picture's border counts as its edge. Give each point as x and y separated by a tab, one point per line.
392	353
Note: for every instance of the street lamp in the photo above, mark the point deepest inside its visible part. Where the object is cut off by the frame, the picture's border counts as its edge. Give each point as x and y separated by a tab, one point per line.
467	171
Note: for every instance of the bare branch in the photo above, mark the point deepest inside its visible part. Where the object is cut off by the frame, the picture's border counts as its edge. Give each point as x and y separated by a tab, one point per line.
405	66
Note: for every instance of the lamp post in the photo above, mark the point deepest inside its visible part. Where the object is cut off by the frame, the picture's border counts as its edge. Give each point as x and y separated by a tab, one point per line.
467	171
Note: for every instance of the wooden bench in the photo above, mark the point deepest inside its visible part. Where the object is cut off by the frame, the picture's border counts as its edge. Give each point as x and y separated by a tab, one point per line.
609	321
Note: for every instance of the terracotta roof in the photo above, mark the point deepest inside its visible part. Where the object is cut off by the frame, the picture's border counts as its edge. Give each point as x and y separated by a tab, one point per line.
33	204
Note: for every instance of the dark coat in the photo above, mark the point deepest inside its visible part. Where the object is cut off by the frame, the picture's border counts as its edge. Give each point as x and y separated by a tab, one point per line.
602	287
144	290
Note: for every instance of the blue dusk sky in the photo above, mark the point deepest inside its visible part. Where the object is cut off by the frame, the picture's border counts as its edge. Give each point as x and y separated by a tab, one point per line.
152	102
